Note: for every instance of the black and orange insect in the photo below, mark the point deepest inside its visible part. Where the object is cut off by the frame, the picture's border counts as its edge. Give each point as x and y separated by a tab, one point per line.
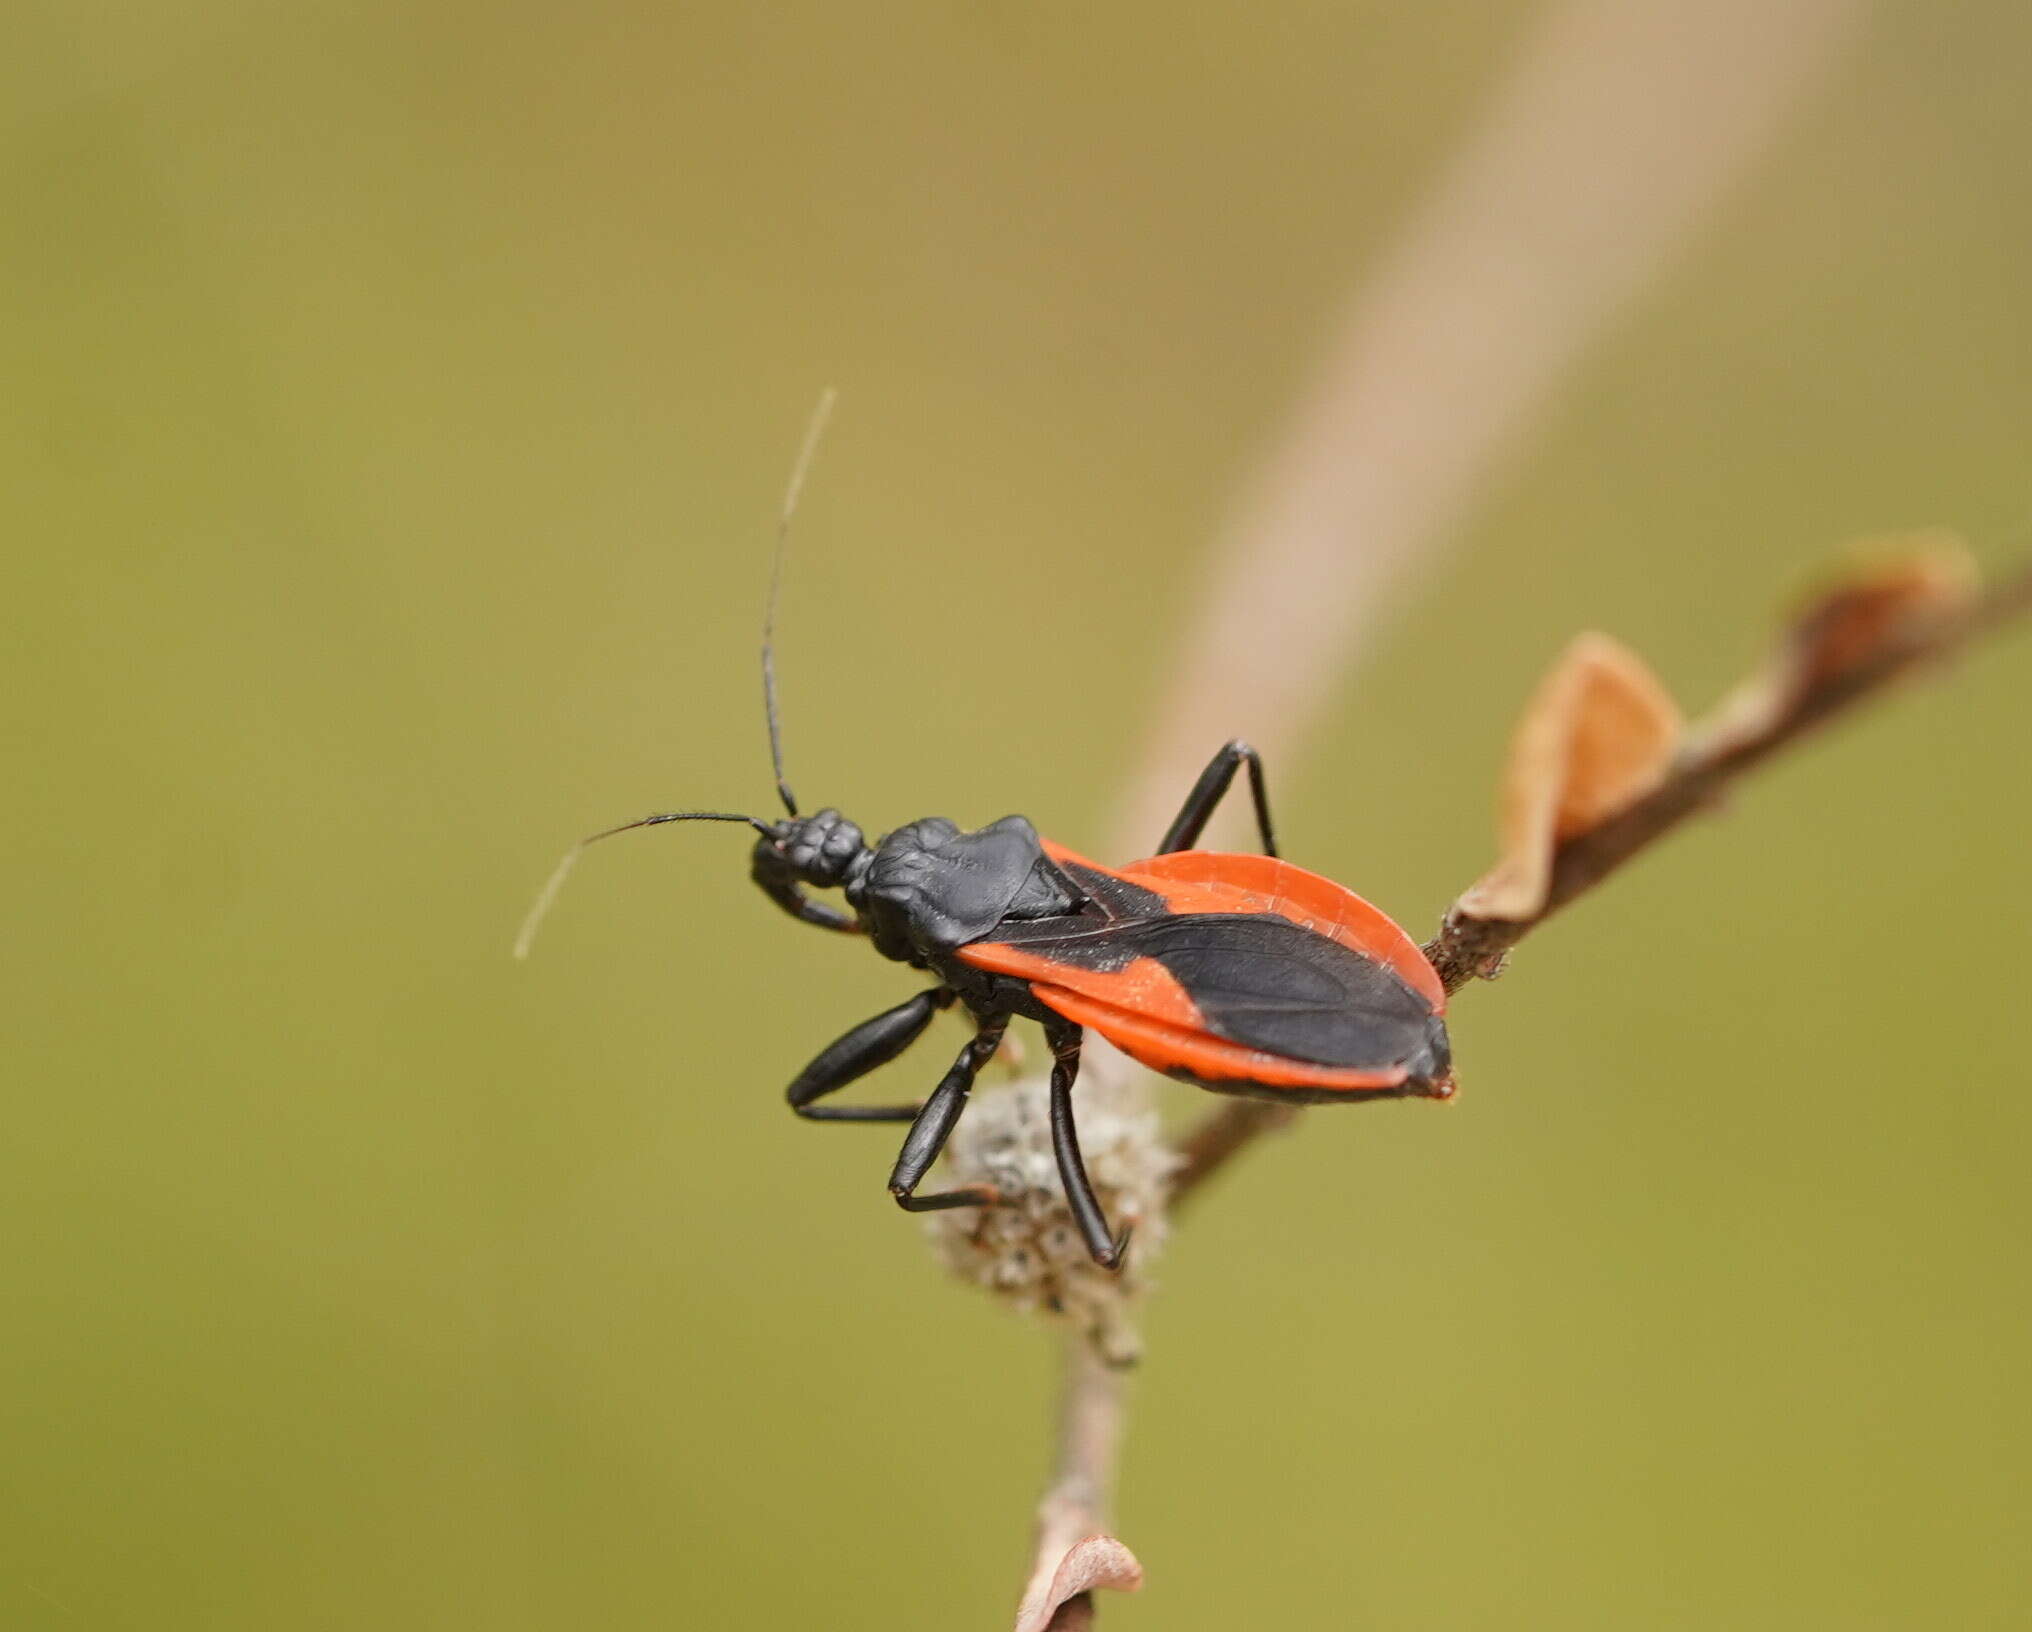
1241	973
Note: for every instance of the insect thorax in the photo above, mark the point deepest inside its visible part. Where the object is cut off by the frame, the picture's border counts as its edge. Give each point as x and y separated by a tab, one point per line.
928	887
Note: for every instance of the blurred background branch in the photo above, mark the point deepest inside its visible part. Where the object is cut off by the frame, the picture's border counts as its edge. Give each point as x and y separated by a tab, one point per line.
1604	150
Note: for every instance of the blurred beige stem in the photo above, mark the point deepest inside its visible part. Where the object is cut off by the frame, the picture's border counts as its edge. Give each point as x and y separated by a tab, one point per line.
1621	124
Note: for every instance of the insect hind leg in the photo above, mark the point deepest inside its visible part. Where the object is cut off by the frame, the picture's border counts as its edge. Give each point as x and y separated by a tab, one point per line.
1107	1248
1210	789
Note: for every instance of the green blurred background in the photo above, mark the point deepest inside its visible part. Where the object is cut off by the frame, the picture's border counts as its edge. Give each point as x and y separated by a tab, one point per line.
395	402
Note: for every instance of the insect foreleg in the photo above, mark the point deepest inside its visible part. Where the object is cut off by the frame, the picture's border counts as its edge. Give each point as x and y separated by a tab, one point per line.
871	1044
934	1126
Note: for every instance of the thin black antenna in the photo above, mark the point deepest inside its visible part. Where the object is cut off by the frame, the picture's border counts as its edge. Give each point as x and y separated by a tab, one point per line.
545	896
791	494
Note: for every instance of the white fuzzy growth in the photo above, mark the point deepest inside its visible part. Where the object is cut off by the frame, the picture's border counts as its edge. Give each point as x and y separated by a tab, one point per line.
1030	1252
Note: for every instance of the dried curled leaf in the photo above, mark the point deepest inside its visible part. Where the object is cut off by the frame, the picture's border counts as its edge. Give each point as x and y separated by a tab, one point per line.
1093	1561
1891	594
1597	735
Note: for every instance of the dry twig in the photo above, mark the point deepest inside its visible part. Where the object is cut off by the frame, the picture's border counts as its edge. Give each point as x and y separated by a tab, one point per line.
1869	630
1074	1552
1810	681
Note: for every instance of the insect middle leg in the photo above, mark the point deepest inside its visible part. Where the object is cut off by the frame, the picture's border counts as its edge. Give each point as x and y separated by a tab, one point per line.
1107	1248
1207	792
934	1126
871	1044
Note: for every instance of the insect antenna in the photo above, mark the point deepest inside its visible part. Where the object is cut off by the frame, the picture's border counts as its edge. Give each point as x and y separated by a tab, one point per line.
812	432
538	911
545	897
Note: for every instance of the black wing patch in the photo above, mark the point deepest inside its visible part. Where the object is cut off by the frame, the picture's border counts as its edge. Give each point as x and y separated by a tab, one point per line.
1263	982
1107	896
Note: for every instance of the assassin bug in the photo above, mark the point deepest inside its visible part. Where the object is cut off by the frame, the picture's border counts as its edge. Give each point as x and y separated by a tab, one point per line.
1241	973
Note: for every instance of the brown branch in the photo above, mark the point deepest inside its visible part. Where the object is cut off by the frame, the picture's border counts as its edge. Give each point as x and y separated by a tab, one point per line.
1220	1137
1734	742
1468	946
1074	1552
